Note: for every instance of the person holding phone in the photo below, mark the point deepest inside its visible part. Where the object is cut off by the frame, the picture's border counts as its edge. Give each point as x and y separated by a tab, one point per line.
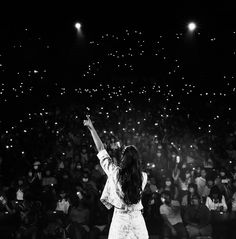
123	190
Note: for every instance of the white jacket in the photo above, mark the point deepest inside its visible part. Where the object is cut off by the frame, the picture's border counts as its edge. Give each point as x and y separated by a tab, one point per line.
112	194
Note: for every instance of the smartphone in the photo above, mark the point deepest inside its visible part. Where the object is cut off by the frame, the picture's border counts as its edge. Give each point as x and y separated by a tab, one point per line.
118	144
79	194
163	199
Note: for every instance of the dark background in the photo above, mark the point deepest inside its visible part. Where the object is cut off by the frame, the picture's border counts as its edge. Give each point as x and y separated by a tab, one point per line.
202	62
55	23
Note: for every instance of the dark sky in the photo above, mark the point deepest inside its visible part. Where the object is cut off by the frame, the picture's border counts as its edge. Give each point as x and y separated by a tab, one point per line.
55	23
66	58
154	16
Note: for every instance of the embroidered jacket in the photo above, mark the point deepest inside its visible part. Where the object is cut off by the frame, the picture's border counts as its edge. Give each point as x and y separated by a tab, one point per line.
112	193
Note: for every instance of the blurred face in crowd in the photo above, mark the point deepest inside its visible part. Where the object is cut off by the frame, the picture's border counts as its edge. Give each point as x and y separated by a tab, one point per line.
78	188
192	172
187	175
36	167
195	202
215	196
198	170
168	182
222	173
48	173
191	189
203	173
84	150
62	195
20	182
85	178
217	180
210	183
234	184
78	166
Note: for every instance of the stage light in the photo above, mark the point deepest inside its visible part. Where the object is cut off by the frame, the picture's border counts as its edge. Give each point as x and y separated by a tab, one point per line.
78	26
192	26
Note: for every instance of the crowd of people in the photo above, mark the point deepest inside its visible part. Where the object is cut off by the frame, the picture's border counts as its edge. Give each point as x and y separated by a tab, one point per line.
55	193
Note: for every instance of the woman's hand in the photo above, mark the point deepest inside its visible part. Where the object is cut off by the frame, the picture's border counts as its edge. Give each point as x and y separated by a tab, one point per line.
88	123
96	138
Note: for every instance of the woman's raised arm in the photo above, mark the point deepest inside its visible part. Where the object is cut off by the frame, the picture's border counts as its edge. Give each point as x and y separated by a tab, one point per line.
105	160
96	138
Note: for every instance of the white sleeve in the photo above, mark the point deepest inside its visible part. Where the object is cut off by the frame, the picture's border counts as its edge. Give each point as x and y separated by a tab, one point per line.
224	203
208	203
106	162
144	180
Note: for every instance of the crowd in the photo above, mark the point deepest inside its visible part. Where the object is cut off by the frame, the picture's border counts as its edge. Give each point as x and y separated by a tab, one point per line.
137	90
55	191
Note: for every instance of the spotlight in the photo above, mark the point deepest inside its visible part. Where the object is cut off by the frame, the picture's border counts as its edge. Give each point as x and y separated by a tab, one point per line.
192	26
78	26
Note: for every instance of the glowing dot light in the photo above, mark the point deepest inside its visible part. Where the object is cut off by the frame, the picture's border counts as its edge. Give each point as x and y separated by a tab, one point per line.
78	26
192	26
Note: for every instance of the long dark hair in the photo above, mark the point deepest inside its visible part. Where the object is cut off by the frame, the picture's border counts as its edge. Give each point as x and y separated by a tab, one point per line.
215	190
130	175
195	194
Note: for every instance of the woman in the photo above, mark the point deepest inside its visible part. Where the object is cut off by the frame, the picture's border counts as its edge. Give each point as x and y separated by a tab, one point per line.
171	187
219	215
123	189
216	200
192	192
63	203
183	179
